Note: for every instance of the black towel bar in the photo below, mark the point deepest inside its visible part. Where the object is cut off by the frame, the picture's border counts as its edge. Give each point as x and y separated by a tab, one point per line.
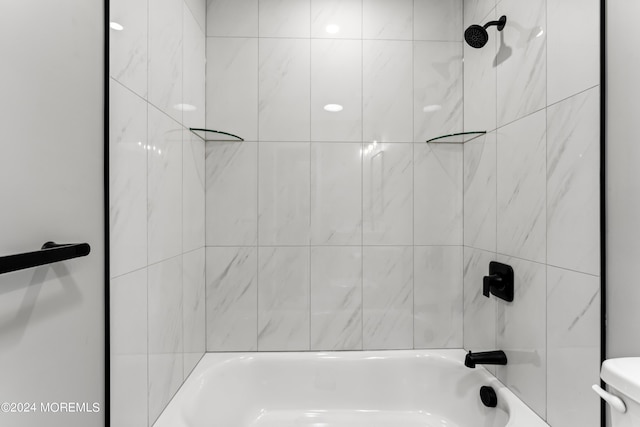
51	252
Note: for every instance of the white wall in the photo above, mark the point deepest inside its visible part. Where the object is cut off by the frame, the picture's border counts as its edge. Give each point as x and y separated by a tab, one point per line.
51	169
319	238
623	183
156	203
532	200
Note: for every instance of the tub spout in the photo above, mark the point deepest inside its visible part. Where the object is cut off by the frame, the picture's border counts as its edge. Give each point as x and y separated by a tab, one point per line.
496	357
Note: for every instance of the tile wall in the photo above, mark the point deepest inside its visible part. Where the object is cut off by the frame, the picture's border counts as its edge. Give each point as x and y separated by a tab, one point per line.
531	199
157	200
334	230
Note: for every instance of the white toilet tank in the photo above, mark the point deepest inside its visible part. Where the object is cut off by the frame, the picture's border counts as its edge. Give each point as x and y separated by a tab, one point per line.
623	377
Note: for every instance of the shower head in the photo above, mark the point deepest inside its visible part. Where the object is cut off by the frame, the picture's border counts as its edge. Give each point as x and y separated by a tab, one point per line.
476	36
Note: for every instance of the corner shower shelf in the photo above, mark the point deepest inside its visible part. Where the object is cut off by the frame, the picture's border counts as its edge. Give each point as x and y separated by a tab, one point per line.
202	134
457	138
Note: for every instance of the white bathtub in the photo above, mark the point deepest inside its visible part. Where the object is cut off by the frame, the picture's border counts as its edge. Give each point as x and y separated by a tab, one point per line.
406	388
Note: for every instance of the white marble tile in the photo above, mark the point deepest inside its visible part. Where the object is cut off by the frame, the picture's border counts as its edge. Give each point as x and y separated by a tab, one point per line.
284	89
437	20
336	78
164	157
479	323
194	310
521	190
521	333
573	47
127	180
165	56
476	11
128	47
336	298
232	18
438	196
232	292
573	183
283	194
198	9
284	18
388	20
128	296
231	193
283	298
193	72
573	353
521	59
437	88
480	80
165	333
193	195
336	194
232	86
387	91
387	194
387	297
437	300
338	19
480	193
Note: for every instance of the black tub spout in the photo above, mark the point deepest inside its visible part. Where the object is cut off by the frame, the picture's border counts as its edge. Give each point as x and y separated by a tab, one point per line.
495	357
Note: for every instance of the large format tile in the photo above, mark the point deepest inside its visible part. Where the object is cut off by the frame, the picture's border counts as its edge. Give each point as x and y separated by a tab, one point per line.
476	11
573	47
387	297
340	19
437	20
198	9
388	194
438	194
336	78
521	59
193	192
382	19
284	199
165	333
336	298
284	18
573	339
164	157
573	183
193	72
479	321
232	86
232	193
284	89
128	47
387	90
165	56
522	188
283	299
128	296
336	194
232	298
437	297
480	193
521	334
437	87
194	310
127	180
232	18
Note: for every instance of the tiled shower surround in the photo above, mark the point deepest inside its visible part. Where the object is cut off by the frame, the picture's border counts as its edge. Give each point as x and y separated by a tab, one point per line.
156	203
334	230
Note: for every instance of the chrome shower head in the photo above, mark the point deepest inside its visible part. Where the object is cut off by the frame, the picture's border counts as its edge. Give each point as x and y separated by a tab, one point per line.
476	36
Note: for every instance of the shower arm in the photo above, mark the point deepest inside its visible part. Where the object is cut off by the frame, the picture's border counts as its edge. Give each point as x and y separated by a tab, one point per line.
500	23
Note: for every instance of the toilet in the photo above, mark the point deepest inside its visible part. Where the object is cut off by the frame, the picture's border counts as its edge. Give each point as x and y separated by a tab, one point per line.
622	375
